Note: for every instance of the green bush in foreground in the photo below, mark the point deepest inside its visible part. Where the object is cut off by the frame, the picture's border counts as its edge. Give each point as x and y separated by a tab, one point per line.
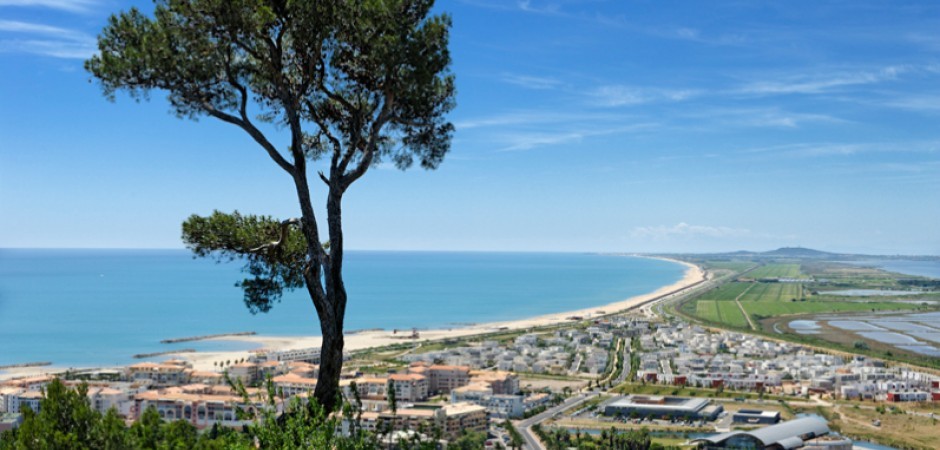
66	420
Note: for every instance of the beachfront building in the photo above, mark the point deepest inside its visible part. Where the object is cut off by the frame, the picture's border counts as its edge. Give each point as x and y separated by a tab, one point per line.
201	405
309	355
246	372
292	384
663	407
103	397
793	434
168	373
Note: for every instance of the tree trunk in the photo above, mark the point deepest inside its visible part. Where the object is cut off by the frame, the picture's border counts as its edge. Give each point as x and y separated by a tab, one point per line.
331	363
334	312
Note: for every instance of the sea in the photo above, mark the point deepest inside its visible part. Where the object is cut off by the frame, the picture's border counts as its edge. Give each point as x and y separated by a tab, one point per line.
81	308
922	268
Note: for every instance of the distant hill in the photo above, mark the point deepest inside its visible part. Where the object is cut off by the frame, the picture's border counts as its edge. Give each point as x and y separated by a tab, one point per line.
798	252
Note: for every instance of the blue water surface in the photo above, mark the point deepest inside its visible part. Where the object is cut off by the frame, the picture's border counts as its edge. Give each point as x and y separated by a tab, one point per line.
99	307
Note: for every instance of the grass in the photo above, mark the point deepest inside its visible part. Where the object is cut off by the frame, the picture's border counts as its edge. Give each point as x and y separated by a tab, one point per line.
896	430
727	291
776	271
762	300
735	266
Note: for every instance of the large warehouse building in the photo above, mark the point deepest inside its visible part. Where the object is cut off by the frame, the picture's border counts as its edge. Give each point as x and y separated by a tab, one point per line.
806	432
658	406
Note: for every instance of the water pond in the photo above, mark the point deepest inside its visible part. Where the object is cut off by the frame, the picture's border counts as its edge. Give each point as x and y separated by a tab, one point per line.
888	337
870	293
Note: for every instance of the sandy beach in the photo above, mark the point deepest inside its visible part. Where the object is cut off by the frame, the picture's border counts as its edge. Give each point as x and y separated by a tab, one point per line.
378	338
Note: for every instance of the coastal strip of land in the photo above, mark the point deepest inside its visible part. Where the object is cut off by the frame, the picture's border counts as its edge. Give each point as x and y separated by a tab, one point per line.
364	339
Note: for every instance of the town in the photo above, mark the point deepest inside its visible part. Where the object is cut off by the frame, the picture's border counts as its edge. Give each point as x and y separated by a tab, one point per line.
628	369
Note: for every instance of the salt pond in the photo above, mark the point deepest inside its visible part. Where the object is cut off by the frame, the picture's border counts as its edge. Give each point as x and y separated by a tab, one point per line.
869	293
889	337
854	325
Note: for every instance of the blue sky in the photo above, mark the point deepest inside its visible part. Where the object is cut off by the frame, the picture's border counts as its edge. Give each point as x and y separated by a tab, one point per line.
582	126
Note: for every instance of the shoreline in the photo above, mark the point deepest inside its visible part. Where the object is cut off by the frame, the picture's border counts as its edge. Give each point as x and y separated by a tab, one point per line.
359	340
379	338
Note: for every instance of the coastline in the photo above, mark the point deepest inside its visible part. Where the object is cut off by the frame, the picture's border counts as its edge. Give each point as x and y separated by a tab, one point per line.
203	361
378	338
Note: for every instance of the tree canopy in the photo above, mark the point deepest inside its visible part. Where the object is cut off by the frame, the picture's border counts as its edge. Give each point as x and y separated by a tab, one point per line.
350	83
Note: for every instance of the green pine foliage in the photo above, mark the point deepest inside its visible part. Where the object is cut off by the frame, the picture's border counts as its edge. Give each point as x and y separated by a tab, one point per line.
66	420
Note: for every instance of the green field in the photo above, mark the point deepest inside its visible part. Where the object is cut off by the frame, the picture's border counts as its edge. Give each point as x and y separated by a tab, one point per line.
761	300
772	292
736	266
721	312
769	309
776	271
727	291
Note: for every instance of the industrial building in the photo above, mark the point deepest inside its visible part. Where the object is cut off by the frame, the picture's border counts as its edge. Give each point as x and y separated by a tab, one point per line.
753	416
796	433
663	407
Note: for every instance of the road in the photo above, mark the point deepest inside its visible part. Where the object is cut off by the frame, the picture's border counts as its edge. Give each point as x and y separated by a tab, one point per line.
525	426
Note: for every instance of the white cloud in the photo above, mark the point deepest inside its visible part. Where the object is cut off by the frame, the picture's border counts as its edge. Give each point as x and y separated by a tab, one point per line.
531	82
621	95
46	40
685	230
63	5
530	140
823	83
921	103
823	149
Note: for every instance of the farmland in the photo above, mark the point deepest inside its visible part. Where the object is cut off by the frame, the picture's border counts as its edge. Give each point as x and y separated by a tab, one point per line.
776	271
766	297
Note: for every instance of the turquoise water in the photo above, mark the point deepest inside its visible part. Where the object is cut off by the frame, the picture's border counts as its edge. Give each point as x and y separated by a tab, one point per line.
930	269
91	307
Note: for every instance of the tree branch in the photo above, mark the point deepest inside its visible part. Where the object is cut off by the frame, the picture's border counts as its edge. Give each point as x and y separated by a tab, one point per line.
285	227
252	131
369	153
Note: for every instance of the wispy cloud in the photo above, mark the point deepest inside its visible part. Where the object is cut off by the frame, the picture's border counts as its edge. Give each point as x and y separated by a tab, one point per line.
810	150
621	95
762	117
922	103
685	230
822	83
531	82
516	141
539	7
46	40
77	6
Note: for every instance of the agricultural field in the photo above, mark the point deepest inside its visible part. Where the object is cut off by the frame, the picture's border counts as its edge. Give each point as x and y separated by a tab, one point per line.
727	291
761	300
726	312
776	271
759	310
734	266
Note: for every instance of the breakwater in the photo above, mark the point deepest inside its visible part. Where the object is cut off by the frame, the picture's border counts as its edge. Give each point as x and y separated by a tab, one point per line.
29	364
207	336
168	352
